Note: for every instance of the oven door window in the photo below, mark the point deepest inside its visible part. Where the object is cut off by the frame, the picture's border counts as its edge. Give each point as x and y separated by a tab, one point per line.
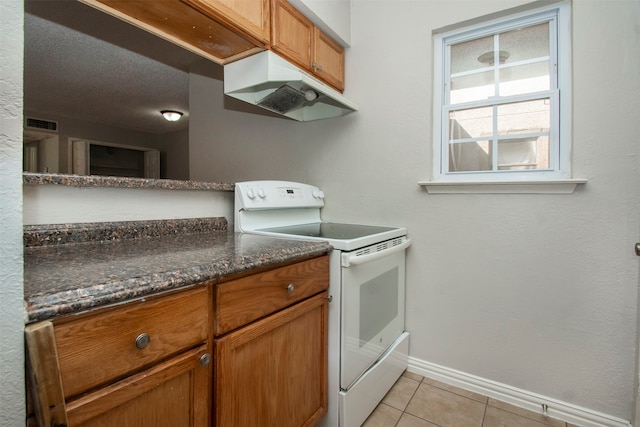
372	313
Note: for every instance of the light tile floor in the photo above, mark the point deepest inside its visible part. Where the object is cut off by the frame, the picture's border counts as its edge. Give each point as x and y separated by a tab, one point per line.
416	401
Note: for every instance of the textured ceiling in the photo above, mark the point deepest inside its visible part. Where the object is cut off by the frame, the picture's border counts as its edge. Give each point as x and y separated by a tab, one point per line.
85	64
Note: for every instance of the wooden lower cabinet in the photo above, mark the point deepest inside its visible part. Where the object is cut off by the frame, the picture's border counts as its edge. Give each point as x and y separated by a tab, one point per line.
146	363
154	362
273	372
173	393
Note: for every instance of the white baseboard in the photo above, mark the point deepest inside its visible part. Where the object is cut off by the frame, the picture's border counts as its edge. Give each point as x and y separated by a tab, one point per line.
524	399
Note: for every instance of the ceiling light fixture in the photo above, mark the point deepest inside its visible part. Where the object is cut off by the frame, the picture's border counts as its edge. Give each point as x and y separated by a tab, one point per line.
171	115
488	58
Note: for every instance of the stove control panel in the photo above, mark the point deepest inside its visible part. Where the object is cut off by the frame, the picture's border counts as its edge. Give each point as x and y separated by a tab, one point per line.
262	195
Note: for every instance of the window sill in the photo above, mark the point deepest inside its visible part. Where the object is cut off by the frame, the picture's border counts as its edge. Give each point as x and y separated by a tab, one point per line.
561	186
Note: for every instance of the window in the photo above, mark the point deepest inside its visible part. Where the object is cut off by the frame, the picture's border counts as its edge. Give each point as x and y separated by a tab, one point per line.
502	99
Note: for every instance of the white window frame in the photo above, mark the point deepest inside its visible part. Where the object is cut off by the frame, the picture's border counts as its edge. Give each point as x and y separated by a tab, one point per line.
557	15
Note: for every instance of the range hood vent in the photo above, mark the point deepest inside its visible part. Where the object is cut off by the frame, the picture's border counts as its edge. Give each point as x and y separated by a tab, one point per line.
283	100
39	124
270	82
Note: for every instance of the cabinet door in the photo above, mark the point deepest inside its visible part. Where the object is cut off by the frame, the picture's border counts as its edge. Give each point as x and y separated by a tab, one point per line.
292	34
250	16
329	60
273	372
173	393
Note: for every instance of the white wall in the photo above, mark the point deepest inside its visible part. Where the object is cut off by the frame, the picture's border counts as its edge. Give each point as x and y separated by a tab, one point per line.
538	292
12	397
332	16
64	204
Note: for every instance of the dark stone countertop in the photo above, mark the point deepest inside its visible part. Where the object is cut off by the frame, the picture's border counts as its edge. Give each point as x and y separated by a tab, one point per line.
62	234
70	278
121	182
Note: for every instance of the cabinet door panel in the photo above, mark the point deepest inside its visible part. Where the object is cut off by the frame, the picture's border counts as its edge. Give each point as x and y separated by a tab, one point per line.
292	34
330	57
250	16
174	393
274	371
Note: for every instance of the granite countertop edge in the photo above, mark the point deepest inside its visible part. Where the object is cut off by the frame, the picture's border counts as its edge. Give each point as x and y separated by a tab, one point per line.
62	234
48	305
121	182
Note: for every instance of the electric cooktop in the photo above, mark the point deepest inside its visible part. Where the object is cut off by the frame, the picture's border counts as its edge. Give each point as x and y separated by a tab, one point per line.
330	230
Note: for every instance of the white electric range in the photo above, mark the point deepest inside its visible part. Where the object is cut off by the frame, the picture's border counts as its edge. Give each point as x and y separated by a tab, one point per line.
368	344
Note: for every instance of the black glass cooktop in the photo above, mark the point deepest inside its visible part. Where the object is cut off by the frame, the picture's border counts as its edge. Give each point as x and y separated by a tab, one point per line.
330	230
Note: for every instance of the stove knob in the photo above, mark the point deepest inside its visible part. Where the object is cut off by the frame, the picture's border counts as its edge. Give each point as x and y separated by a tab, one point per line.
261	193
251	194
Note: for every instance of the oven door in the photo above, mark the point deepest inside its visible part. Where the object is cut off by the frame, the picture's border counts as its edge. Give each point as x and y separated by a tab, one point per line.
373	288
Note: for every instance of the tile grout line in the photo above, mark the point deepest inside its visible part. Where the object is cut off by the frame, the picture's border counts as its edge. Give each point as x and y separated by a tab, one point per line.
404	411
486	401
484	414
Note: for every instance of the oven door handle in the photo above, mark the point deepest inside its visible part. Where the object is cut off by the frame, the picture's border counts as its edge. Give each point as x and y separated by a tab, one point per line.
349	259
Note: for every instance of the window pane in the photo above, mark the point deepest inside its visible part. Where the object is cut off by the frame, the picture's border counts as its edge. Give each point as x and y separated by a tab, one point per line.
470	156
526	43
472	87
464	56
471	123
527	78
524	117
523	153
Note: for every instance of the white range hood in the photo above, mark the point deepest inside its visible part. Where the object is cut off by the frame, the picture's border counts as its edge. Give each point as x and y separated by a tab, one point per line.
270	82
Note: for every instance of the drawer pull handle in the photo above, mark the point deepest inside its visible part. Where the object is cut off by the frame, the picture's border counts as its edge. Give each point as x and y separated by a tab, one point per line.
290	288
143	340
205	359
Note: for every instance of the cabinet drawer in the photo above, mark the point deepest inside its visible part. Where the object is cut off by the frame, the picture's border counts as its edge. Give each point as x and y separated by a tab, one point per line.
104	346
244	300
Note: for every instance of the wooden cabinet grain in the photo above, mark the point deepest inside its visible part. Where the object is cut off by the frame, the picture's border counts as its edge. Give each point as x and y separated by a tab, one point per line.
329	60
172	393
228	30
273	371
241	301
145	363
152	362
296	38
249	16
209	34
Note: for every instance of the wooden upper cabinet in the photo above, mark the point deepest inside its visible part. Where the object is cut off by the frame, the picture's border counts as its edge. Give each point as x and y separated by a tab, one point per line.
205	34
329	60
227	30
292	34
250	16
294	37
